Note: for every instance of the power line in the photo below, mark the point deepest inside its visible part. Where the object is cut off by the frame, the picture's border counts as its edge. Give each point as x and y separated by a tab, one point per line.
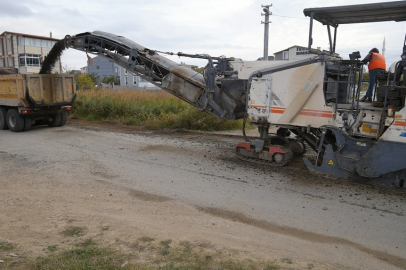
290	17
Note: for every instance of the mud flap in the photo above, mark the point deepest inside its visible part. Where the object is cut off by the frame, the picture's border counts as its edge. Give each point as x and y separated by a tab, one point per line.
329	165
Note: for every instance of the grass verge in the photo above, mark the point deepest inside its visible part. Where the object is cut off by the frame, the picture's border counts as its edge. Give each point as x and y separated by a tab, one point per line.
87	254
152	109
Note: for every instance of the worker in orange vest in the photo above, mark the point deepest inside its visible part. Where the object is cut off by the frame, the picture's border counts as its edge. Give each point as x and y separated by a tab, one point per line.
376	65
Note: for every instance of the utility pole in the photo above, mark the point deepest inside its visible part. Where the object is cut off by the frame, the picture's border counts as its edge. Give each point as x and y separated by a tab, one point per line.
266	28
383	47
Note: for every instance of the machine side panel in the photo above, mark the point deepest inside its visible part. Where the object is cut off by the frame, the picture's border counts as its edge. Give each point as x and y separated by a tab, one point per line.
296	97
397	131
385	157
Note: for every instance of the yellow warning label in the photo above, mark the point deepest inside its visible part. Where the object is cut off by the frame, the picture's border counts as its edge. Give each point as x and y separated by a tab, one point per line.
330	162
367	128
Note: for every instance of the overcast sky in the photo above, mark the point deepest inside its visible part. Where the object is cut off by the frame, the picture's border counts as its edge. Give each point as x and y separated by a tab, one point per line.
228	27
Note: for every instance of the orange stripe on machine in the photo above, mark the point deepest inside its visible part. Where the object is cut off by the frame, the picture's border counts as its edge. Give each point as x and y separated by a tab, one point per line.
308	112
328	114
400	123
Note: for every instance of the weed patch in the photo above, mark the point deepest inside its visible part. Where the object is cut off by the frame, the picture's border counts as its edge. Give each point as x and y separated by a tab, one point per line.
73	231
52	248
152	109
6	246
164	254
146	239
287	260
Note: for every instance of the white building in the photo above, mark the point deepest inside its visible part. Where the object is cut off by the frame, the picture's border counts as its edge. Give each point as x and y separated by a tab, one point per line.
26	52
293	53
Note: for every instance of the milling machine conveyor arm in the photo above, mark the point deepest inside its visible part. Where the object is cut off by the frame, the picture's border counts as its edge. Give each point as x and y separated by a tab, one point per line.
181	81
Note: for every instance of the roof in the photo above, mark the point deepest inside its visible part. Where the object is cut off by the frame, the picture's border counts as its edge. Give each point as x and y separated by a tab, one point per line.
287	49
376	12
28	35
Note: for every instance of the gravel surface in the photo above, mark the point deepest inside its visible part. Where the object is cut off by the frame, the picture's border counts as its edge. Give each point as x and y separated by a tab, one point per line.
189	186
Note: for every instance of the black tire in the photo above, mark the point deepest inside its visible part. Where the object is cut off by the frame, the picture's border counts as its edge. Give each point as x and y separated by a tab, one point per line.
64	117
15	121
3	118
27	123
56	120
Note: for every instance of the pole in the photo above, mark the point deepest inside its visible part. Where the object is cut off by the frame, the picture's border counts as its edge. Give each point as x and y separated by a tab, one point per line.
266	29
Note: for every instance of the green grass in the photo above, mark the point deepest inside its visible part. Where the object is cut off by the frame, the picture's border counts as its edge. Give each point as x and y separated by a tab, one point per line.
88	254
6	246
152	109
52	248
287	260
73	231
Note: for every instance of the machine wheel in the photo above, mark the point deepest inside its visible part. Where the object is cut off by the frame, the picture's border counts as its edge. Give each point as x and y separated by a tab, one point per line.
64	117
56	120
278	157
27	123
297	147
3	121
281	159
15	121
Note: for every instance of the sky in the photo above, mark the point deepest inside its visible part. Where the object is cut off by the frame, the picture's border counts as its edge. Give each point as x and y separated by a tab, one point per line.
228	27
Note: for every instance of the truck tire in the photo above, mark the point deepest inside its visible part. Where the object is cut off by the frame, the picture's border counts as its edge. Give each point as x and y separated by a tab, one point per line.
3	121
56	120
15	121
64	117
27	123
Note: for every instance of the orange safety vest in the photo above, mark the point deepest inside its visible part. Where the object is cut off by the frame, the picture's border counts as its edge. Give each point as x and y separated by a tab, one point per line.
377	61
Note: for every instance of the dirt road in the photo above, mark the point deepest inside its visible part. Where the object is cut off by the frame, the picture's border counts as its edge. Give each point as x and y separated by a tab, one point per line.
189	186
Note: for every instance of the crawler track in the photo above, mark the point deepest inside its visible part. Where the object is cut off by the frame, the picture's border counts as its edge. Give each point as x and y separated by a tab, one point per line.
287	157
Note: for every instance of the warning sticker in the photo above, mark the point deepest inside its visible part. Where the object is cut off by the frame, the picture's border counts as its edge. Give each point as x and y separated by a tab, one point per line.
330	162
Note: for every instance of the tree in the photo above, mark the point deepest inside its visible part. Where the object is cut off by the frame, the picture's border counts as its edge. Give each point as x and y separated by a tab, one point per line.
94	77
85	81
111	80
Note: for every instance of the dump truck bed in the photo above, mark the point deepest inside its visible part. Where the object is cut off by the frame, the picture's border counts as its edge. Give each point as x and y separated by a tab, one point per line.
37	90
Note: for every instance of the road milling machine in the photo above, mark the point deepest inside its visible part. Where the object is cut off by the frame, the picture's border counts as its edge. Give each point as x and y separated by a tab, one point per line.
311	103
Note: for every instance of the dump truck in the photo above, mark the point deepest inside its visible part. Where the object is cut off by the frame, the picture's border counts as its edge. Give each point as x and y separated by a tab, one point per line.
33	99
311	103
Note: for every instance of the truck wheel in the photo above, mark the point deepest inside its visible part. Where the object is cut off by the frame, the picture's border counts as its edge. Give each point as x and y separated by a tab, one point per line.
3	121
15	121
56	120
64	117
27	123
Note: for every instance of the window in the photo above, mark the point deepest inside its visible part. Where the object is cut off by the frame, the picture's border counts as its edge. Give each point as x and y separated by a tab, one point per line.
30	60
1	46
116	69
1	63
9	45
134	80
11	62
302	51
285	55
20	41
35	42
126	80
